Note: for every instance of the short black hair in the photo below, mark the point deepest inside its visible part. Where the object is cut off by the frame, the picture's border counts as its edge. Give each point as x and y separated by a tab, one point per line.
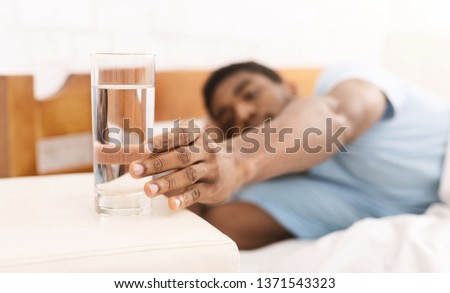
220	74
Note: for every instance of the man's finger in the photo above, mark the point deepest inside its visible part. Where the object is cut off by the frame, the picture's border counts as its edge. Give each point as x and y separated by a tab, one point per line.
183	134
176	159
174	181
189	196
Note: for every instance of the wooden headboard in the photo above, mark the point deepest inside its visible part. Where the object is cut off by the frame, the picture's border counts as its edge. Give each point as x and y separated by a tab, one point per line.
25	122
179	93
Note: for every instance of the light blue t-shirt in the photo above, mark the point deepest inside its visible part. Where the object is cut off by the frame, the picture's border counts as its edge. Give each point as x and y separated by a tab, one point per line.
401	157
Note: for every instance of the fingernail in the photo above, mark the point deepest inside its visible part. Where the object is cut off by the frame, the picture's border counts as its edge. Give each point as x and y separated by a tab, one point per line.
154	188
138	169
177	203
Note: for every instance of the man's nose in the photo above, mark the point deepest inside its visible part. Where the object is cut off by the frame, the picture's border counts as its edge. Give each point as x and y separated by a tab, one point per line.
243	113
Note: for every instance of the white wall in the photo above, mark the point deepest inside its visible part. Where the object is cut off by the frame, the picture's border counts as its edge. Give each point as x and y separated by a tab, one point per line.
50	38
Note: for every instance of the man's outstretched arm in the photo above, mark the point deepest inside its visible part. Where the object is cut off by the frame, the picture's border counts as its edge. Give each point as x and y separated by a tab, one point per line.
309	131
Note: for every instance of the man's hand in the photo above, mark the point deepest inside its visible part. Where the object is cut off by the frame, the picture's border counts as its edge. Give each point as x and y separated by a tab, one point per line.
203	172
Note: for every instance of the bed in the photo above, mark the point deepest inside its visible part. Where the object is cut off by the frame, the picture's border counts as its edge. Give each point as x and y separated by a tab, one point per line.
404	243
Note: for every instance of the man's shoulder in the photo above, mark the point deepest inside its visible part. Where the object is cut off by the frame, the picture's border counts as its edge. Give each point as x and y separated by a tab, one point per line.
339	72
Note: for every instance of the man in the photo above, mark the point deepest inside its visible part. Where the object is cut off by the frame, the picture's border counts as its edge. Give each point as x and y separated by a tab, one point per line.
385	156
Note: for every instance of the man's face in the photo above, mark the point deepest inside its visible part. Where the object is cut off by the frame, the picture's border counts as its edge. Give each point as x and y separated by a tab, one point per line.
246	99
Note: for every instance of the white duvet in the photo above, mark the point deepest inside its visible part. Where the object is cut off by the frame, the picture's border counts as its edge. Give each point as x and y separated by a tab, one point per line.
405	243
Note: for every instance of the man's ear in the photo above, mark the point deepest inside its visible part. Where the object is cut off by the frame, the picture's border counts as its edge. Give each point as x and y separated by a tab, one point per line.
291	88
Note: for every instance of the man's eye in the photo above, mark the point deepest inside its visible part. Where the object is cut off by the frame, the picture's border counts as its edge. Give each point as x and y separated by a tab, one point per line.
251	95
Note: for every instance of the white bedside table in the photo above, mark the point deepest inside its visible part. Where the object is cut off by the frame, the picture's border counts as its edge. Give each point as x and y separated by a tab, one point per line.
48	224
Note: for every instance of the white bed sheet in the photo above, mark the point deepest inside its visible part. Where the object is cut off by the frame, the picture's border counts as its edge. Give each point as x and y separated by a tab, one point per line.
405	243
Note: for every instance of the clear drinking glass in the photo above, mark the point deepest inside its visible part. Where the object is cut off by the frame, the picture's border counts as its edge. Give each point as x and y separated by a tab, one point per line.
123	98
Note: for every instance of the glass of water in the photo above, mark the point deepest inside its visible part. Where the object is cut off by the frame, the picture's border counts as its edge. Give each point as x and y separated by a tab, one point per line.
123	98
